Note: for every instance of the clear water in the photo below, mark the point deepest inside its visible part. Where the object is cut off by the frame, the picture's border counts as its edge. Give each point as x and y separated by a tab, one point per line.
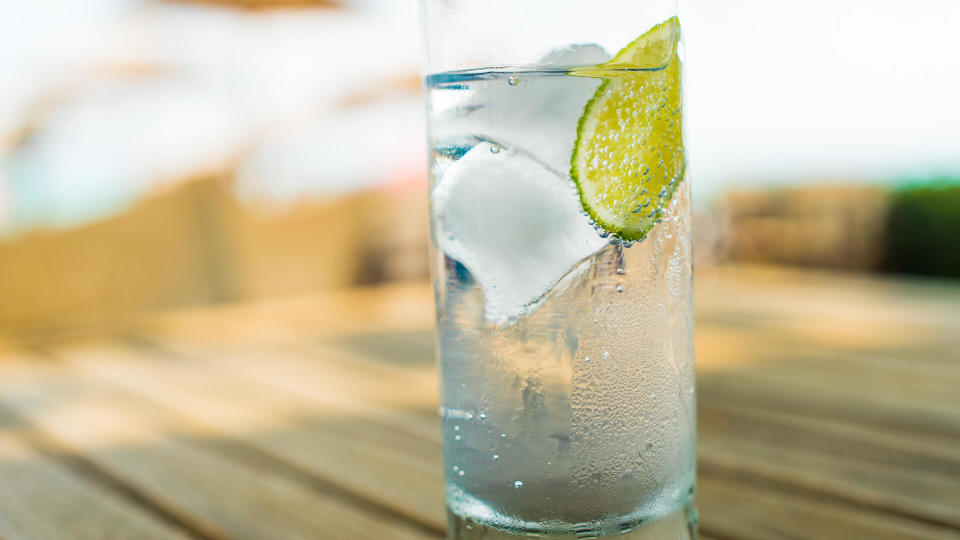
568	408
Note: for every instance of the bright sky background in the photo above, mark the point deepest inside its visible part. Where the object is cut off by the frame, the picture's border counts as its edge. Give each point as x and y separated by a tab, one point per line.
835	89
777	92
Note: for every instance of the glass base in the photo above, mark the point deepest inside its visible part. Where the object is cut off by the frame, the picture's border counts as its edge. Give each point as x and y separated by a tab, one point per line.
679	525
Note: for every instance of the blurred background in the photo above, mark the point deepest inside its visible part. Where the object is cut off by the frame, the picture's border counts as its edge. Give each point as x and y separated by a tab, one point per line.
178	165
178	153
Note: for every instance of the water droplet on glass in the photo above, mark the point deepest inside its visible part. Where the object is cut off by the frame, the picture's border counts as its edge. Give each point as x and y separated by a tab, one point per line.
456	428
619	288
503	435
482	416
461	473
513	80
456	437
496	457
518	484
456	468
646	449
495	149
620	271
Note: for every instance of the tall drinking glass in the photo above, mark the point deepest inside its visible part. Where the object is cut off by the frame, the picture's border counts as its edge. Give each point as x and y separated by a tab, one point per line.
562	267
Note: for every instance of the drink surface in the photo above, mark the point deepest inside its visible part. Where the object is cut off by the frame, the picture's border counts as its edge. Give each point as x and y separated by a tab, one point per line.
567	361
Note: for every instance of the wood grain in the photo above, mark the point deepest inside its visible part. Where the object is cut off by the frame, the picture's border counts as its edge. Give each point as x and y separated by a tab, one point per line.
41	498
827	409
166	457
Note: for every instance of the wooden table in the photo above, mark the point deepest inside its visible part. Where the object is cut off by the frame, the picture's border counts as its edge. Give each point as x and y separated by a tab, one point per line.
829	408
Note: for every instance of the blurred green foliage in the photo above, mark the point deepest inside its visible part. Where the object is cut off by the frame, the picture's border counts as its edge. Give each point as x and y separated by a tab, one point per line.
923	228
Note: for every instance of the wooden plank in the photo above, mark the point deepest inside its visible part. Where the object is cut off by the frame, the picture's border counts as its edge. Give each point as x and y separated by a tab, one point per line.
325	376
182	469
863	376
402	306
374	451
42	499
937	425
869	470
733	509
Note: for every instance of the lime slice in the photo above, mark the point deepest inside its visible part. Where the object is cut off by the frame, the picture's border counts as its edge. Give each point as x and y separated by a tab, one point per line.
628	159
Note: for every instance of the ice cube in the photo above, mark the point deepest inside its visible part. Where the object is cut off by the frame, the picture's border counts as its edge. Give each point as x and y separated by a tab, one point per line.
548	109
575	56
526	110
517	226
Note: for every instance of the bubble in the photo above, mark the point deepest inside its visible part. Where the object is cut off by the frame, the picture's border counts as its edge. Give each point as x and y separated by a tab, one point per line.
456	428
496	457
518	484
482	416
461	473
456	437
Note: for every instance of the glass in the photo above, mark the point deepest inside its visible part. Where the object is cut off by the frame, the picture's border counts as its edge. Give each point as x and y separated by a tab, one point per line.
566	351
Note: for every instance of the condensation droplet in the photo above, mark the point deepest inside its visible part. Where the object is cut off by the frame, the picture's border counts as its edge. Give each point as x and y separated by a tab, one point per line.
518	484
461	473
495	149
513	80
620	271
646	449
496	457
619	288
456	437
